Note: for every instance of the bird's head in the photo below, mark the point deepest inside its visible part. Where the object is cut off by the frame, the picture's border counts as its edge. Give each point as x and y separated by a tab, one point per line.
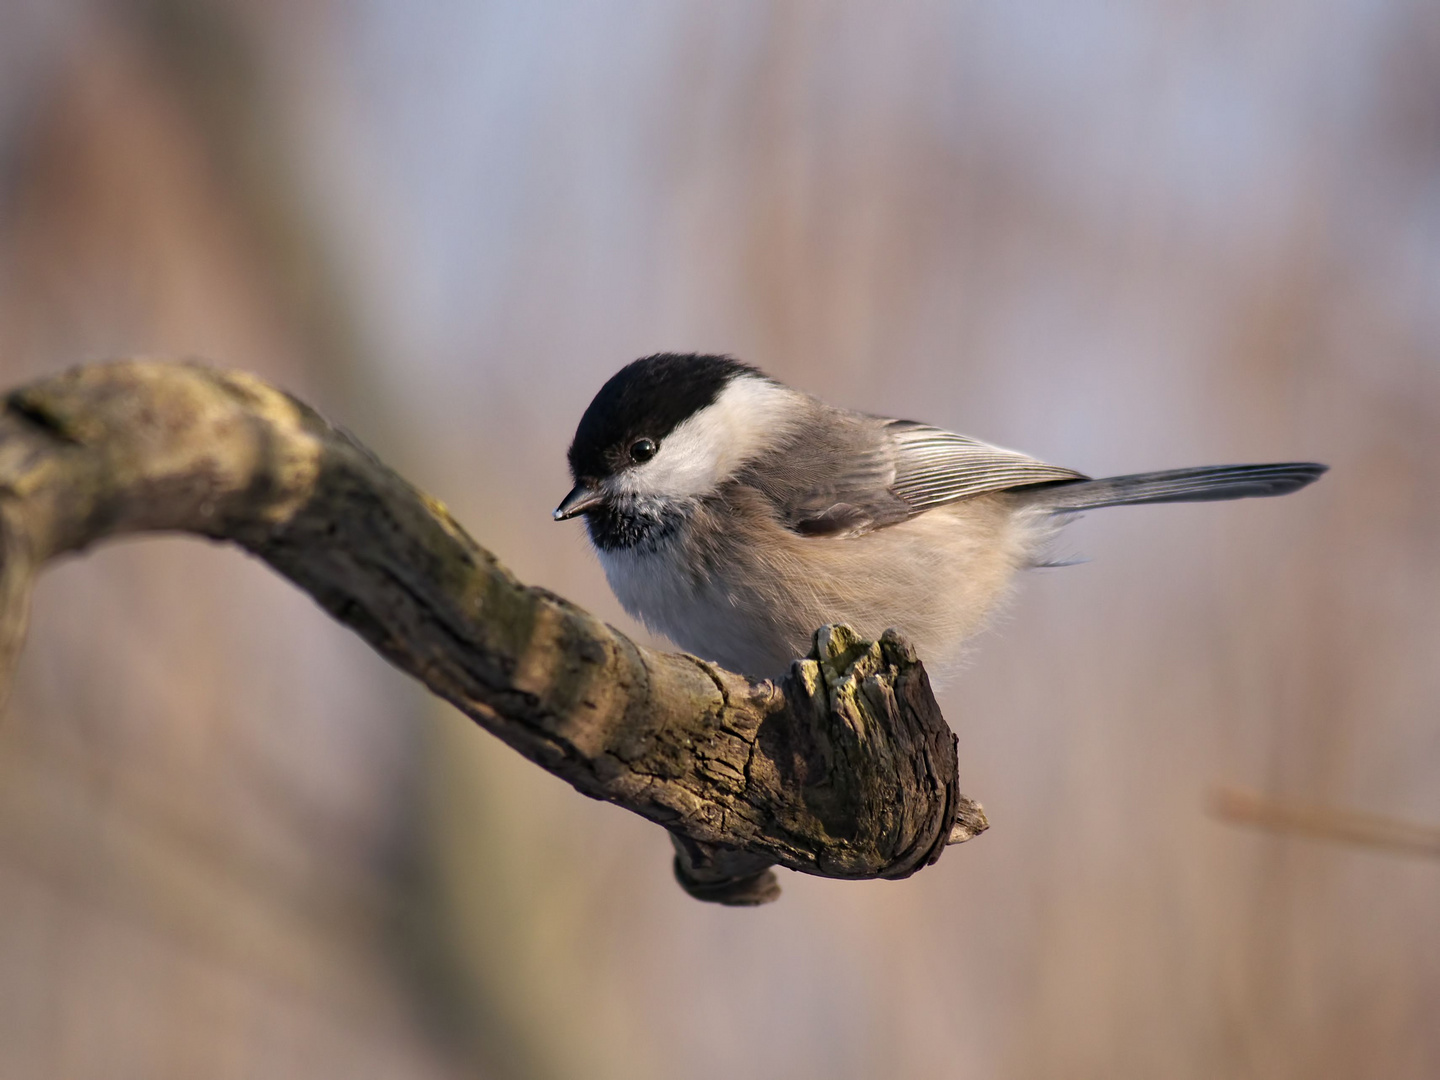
668	429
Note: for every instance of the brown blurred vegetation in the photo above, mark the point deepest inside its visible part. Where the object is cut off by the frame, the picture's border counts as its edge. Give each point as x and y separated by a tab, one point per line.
233	843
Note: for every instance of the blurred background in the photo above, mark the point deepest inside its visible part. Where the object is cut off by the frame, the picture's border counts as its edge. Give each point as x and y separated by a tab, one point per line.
233	843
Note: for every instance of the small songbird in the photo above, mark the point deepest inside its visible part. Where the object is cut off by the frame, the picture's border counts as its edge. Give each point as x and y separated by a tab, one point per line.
736	515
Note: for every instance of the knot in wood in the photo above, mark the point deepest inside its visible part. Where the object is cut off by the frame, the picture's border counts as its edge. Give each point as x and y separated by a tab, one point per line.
861	766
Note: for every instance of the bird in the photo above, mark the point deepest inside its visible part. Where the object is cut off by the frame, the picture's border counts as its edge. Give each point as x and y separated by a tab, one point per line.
736	515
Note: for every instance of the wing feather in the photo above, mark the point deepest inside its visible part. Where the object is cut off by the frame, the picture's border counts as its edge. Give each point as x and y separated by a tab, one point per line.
934	467
893	470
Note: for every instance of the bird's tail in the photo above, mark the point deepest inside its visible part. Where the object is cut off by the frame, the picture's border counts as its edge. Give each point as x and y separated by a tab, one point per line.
1209	483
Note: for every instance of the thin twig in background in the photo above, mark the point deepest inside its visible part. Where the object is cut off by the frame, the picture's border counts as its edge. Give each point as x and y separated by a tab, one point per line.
1338	824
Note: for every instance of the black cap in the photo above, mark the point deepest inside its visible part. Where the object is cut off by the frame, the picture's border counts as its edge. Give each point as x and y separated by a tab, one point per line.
647	399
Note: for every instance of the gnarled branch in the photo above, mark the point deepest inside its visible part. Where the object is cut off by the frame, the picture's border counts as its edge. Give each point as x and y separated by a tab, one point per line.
845	769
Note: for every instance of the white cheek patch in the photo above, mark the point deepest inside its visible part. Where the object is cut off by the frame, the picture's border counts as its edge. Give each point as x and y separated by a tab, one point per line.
746	419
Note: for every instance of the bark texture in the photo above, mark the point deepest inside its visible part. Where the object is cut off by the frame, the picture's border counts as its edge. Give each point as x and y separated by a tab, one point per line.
843	769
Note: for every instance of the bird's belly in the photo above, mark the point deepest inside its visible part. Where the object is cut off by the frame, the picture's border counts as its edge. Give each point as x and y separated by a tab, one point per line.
936	578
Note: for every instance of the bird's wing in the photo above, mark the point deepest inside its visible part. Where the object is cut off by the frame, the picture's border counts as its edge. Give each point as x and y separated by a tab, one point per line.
934	467
895	470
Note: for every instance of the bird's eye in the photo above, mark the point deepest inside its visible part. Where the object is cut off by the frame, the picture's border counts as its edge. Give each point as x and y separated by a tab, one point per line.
642	450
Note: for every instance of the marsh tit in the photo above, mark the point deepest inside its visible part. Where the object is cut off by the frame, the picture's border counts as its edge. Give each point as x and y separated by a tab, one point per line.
736	515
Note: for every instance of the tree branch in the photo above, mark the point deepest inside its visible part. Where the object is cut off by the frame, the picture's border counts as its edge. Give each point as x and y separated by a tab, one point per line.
845	769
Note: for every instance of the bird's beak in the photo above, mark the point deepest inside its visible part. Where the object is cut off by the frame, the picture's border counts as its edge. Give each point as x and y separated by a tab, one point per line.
582	497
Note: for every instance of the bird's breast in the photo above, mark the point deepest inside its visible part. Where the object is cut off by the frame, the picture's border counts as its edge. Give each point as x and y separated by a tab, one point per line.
655	583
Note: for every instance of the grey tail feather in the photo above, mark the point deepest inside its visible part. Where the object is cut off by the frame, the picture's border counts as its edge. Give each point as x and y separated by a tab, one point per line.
1208	483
